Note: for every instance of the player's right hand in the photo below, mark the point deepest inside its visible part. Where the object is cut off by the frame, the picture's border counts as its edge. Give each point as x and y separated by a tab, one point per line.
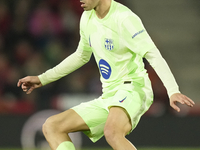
29	83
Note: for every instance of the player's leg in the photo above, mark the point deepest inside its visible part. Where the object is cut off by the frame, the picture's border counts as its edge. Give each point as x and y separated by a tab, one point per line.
57	127
117	126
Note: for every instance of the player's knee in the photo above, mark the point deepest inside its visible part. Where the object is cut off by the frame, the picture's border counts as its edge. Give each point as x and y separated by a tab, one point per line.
49	126
110	133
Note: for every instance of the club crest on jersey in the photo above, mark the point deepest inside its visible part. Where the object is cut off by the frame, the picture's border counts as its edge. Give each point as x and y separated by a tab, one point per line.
109	45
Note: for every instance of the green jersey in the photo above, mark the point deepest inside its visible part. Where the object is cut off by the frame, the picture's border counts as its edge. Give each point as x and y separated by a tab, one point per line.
119	42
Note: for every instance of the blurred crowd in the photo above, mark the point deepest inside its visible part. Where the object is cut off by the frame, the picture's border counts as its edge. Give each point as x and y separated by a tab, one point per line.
35	35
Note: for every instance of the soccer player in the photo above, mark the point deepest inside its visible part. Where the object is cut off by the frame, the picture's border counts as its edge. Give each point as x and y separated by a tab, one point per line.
119	42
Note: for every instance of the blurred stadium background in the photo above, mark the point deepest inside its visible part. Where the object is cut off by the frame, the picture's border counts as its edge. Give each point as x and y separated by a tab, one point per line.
35	35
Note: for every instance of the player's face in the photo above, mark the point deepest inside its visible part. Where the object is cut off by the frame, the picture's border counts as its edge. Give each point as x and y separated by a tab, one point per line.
89	4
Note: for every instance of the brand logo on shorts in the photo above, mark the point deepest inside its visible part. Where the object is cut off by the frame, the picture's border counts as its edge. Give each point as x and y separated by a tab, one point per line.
123	100
105	69
109	45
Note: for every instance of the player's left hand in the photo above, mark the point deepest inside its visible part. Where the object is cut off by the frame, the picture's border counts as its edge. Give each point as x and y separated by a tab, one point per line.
178	97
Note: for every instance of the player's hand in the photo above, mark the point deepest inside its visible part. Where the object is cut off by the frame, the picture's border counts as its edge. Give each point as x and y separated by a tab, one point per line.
178	97
29	83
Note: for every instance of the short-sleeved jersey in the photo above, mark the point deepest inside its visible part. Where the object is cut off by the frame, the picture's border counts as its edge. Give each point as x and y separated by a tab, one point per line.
118	41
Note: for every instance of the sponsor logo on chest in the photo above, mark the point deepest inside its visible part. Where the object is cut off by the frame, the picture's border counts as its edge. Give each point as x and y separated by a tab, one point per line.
105	69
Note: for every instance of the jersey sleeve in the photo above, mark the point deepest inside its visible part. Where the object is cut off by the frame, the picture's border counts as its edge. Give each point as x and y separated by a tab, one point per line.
68	65
135	36
163	71
84	41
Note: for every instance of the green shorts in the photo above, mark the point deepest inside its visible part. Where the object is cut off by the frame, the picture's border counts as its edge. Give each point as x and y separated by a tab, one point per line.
136	102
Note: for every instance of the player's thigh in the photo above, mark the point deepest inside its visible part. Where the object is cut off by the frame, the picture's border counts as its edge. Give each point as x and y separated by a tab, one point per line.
67	121
118	120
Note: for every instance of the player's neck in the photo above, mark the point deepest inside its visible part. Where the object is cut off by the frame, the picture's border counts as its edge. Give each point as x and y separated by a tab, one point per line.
103	8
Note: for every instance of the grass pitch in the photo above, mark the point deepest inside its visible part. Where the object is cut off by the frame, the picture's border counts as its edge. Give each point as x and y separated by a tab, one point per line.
153	148
171	148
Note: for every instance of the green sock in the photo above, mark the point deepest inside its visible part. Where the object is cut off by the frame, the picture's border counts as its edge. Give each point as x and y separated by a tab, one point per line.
67	145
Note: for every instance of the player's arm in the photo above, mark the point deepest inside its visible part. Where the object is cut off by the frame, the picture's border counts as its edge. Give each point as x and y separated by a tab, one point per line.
163	71
68	65
137	39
